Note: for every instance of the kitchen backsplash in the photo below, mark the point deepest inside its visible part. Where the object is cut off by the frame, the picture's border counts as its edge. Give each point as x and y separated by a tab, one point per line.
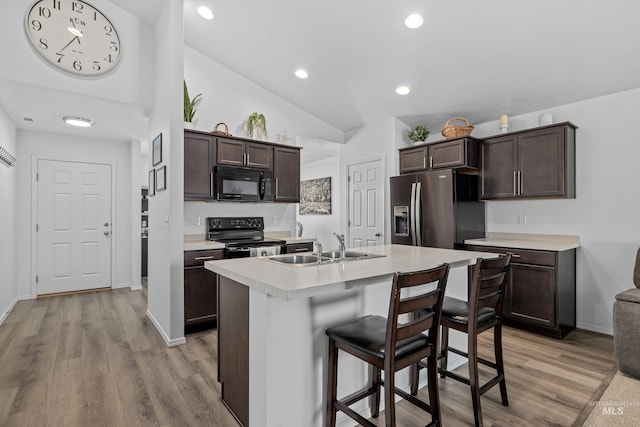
277	216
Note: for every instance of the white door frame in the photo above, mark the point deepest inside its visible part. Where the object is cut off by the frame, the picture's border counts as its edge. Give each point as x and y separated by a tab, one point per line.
347	198
34	212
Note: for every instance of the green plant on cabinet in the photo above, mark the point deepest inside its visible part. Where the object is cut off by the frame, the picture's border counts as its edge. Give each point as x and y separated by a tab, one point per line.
257	126
418	134
190	104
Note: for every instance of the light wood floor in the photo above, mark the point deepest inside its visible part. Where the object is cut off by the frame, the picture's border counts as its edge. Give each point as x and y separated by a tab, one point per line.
94	360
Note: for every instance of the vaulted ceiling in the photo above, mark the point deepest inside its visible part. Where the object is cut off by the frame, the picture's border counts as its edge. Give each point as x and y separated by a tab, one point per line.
476	59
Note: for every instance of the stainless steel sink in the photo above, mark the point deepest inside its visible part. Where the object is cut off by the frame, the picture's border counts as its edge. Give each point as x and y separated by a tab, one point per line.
305	260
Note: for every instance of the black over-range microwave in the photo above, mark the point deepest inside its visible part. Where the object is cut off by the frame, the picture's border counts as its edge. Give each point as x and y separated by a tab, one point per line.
232	183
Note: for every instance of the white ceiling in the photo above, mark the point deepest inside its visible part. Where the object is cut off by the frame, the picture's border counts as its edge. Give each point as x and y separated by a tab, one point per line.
476	59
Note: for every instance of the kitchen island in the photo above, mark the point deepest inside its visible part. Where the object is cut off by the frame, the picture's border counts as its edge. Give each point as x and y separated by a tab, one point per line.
271	321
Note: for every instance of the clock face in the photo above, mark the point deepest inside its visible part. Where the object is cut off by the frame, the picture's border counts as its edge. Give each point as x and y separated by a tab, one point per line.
73	36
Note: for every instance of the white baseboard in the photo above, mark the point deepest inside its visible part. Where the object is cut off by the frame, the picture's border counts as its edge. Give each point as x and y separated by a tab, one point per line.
11	307
121	285
594	328
136	287
163	334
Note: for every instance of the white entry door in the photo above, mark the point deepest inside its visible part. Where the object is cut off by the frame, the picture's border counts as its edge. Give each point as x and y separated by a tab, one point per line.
366	204
73	226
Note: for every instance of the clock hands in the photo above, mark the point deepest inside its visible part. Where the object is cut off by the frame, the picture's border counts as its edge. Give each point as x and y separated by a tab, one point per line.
67	45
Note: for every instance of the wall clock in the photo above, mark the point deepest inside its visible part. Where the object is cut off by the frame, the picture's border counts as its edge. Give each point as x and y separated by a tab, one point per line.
73	36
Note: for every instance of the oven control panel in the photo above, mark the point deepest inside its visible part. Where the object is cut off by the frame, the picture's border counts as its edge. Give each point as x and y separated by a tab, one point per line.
234	223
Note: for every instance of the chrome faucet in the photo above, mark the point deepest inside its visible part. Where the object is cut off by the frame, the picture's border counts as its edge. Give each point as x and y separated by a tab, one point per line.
318	249
341	248
299	225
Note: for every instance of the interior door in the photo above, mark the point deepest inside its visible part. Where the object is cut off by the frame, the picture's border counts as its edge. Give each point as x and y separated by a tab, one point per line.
73	226
366	204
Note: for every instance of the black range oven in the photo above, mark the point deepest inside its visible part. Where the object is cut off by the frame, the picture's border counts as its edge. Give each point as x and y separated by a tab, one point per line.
243	237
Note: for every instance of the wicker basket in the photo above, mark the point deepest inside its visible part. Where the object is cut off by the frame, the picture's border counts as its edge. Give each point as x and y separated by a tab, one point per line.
455	131
224	132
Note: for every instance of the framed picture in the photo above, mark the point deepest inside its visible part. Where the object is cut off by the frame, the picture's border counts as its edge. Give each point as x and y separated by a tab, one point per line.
161	178
315	197
152	182
157	150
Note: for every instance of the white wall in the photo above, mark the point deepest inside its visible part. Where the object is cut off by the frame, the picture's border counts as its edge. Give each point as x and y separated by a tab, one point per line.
322	227
36	145
230	98
605	211
130	82
8	288
378	140
166	209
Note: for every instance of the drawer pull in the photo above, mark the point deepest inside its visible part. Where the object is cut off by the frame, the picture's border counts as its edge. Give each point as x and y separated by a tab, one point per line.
204	258
512	255
301	250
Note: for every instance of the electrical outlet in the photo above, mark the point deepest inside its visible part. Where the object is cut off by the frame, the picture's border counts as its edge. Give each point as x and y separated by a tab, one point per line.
197	220
274	219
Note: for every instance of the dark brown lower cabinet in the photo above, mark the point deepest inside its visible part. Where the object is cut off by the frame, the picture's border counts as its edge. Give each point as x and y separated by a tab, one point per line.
200	290
292	248
540	294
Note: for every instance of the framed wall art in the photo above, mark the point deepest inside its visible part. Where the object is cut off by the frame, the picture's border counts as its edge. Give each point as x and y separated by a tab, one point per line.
161	178
152	182
315	196
156	150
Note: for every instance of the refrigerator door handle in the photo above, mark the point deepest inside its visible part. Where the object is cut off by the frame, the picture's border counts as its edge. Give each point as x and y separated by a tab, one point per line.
418	215
412	212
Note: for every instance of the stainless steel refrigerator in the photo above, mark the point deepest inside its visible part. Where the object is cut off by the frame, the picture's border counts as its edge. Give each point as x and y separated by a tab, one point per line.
437	208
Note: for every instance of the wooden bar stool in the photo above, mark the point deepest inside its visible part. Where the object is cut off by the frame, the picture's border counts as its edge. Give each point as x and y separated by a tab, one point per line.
485	306
390	346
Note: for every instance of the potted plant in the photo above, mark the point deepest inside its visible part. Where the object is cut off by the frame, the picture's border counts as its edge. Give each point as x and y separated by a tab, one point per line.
189	106
257	126
418	134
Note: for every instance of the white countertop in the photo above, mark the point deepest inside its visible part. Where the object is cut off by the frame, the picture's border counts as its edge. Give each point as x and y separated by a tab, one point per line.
197	245
286	282
302	239
543	242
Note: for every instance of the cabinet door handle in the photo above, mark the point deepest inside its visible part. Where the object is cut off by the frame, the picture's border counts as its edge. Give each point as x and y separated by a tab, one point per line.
430	162
247	159
301	250
519	183
211	184
505	254
515	190
203	258
424	162
276	188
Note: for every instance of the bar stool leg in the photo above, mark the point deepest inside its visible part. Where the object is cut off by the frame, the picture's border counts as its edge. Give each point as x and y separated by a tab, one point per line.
432	376
332	386
389	398
375	398
473	377
497	343
414	378
444	349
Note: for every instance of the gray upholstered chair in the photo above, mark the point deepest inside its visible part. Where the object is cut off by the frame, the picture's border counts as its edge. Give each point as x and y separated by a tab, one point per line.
626	326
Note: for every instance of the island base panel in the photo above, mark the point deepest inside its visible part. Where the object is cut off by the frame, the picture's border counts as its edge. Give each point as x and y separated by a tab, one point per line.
233	347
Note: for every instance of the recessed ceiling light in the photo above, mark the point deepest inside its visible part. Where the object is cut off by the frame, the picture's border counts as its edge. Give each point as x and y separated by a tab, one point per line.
78	121
413	21
403	90
301	74
205	12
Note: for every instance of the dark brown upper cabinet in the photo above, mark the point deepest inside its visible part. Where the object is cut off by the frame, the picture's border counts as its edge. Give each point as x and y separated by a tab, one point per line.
199	159
236	152
457	153
535	163
287	173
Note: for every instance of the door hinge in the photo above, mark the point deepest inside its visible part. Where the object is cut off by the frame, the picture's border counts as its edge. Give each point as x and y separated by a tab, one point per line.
349	178
36	278
37	176
349	223
37	228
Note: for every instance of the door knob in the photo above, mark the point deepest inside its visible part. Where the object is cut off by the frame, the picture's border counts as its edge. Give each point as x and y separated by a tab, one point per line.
378	234
106	233
106	224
